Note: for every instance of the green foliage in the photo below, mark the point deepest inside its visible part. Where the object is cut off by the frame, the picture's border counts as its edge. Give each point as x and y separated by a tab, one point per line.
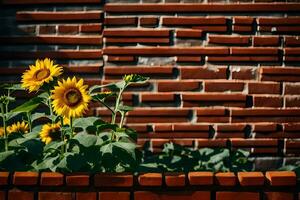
175	158
295	167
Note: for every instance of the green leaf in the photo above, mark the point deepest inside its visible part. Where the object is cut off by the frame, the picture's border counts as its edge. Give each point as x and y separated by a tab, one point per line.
29	106
53	145
37	116
14	87
107	149
84	122
86	140
5	155
125	108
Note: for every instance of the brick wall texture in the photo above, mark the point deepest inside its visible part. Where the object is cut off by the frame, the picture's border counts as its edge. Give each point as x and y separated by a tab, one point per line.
150	186
223	73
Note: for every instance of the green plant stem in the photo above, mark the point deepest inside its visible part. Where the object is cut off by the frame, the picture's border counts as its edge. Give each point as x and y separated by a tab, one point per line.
104	104
113	121
122	119
71	127
4	127
49	102
29	121
63	147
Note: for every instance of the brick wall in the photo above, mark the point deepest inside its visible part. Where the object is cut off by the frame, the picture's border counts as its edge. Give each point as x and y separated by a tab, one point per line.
150	186
223	73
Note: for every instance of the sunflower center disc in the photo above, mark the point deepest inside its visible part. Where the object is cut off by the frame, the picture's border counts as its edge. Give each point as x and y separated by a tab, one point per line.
42	74
55	134
73	97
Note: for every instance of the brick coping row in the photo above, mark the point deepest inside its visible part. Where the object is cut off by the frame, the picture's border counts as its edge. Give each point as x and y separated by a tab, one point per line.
127	180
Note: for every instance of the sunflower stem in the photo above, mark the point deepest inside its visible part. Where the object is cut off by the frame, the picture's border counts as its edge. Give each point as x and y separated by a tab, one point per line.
29	121
71	127
113	121
63	147
50	106
4	126
122	119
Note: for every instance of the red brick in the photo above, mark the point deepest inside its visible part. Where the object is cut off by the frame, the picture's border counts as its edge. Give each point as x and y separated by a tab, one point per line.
16	194
58	15
171	21
264	88
292	101
213	97
25	178
200	178
279	29
292	89
175	179
114	195
267	127
253	142
241	29
157	97
120	58
214	29
237	196
17	2
290	74
226	179
55	196
78	180
267	101
86	196
211	142
243	59
222	86
291	41
243	20
153	70
149	21
93	40
279	196
254	51
135	32
4	178
229	40
278	21
265	41
48	29
188	33
88	28
150	179
188	59
61	54
120	21
251	178
137	40
175	195
163	51
291	127
192	7
281	178
2	195
69	29
243	73
51	179
113	180
203	73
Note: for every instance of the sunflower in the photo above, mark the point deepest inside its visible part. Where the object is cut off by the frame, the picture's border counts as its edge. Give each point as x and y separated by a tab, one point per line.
18	128
70	98
1	131
50	132
42	72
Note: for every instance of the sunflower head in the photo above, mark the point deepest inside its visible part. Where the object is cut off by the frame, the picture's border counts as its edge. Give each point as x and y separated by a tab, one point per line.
50	132
1	131
37	75
19	127
70	98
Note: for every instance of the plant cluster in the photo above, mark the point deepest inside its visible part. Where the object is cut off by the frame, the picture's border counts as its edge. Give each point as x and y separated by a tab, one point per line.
176	158
50	132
